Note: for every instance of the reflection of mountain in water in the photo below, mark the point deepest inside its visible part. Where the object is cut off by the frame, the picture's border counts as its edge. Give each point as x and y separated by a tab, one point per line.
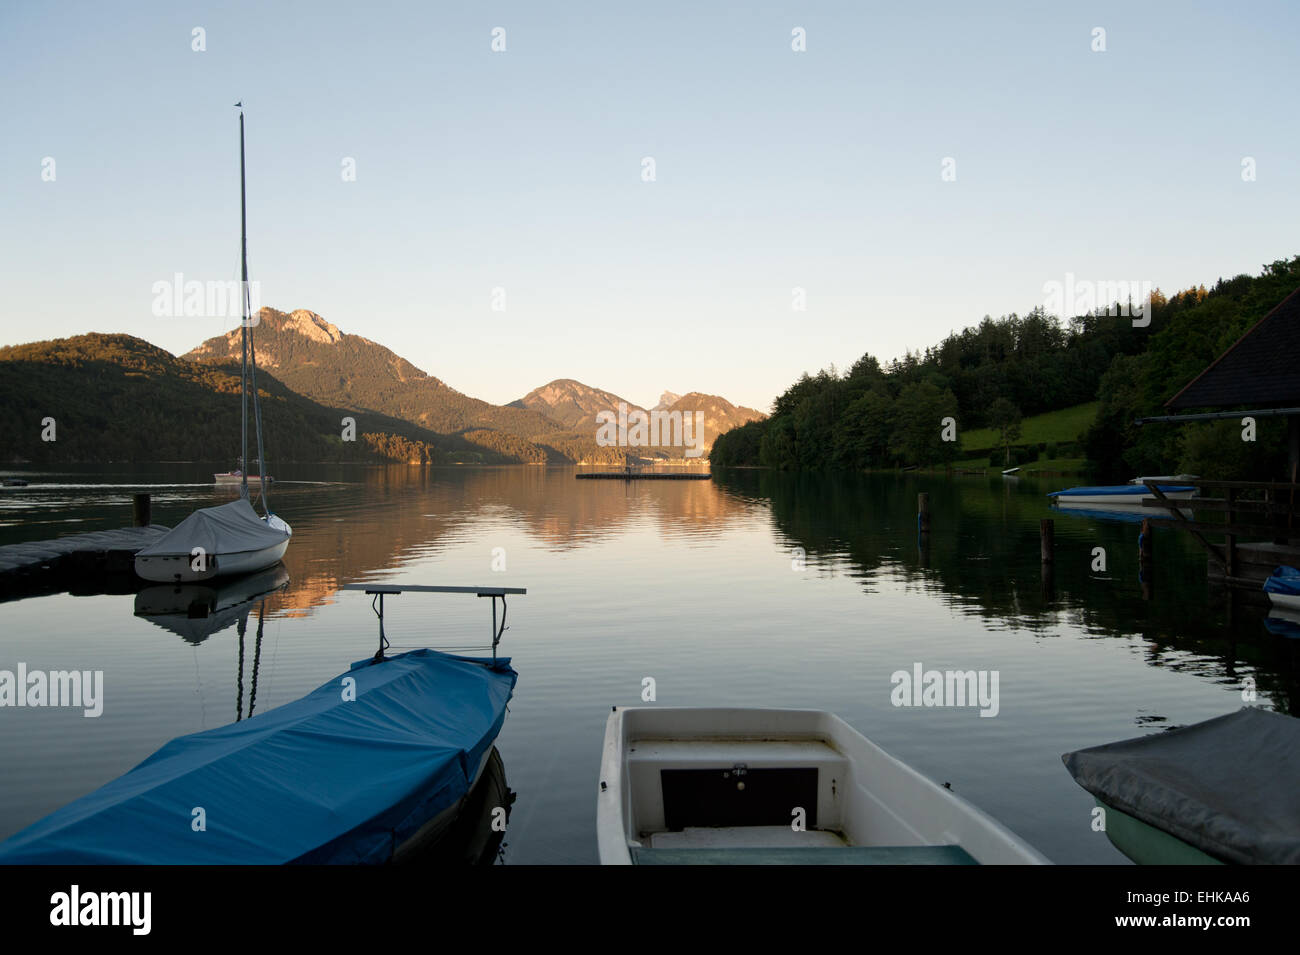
345	533
983	558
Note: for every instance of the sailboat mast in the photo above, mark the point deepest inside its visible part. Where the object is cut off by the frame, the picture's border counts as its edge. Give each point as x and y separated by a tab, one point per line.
243	323
250	354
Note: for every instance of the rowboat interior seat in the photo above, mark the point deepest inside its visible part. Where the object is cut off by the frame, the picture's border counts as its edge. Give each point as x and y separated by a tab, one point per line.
814	855
763	786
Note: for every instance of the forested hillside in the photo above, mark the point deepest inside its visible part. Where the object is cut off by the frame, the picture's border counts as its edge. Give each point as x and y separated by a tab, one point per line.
118	398
994	374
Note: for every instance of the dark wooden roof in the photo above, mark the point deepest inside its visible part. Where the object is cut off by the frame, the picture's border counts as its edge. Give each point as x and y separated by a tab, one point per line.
1261	369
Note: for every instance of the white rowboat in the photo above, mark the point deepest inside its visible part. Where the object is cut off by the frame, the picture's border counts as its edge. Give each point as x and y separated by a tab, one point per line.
759	786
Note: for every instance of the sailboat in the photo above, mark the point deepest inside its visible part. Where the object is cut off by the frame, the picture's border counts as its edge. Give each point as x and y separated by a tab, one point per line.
229	539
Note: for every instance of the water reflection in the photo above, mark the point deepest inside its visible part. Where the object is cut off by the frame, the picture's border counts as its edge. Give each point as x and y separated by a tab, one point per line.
690	582
982	558
197	611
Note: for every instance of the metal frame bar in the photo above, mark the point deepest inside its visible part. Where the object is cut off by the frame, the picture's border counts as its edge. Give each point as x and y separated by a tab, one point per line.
380	591
1217	415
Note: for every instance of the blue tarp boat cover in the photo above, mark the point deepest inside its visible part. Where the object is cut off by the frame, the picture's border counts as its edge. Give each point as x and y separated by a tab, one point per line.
1285	581
1226	786
1120	490
318	780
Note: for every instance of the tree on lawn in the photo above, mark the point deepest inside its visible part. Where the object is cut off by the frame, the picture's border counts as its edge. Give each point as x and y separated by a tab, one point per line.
1004	418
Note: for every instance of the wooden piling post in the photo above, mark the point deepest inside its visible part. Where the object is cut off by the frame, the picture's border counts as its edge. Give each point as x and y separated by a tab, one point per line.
923	513
1230	540
142	510
1146	552
1145	541
1047	550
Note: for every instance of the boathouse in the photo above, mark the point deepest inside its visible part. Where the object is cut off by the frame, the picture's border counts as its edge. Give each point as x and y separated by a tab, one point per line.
1257	377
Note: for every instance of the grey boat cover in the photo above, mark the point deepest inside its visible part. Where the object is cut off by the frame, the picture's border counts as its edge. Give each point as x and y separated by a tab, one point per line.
1229	786
232	528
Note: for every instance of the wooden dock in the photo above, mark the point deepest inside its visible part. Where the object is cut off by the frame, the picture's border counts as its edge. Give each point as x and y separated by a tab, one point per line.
1250	509
73	562
633	475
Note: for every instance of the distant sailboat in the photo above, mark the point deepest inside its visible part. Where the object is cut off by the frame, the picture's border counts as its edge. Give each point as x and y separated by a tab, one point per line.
236	477
230	539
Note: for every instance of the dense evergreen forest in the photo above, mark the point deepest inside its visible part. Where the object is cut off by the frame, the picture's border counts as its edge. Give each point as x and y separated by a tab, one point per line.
993	374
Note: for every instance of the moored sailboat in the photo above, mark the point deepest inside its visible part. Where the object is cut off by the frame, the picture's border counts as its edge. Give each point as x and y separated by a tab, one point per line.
231	538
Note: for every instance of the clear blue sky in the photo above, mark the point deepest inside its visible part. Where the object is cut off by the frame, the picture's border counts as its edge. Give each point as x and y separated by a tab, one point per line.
522	170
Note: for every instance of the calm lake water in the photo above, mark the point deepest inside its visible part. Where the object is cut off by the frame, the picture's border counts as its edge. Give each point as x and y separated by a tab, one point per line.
693	583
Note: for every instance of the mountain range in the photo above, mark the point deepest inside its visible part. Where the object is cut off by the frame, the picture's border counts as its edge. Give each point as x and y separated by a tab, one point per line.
117	398
554	423
577	407
120	398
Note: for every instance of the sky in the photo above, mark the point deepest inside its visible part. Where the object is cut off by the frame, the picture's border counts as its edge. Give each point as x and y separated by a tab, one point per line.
517	177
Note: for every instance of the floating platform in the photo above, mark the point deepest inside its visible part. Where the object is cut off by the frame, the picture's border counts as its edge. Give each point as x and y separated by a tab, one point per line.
77	562
643	476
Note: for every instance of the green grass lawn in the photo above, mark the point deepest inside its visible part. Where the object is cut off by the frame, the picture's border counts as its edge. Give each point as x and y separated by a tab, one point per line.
1063	465
1067	424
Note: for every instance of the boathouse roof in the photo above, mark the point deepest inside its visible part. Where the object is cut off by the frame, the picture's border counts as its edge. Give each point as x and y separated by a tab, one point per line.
1261	369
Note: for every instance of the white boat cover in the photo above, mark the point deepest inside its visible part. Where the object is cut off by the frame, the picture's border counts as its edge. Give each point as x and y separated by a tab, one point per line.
232	528
1226	786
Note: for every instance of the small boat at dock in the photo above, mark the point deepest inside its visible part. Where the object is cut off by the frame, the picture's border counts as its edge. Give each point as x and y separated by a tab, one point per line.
1119	494
371	767
634	473
685	786
214	542
1283	588
1218	791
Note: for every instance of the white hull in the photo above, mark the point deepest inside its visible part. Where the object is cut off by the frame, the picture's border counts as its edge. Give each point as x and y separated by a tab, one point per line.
177	568
865	799
1285	601
1135	499
1137	511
